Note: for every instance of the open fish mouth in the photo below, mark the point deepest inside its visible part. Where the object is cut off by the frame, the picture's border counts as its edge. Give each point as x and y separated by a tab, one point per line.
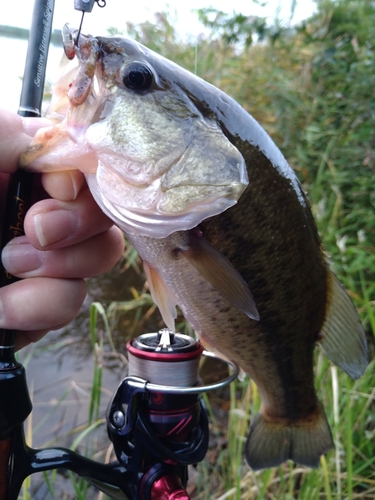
153	162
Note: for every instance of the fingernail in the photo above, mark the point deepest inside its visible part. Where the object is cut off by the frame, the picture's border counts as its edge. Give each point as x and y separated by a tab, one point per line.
54	226
19	256
76	183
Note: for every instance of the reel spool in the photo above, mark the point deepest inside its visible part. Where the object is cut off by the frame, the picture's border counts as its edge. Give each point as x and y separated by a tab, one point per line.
169	362
164	358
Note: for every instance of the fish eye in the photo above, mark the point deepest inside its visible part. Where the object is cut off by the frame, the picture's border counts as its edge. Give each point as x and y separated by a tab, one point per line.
137	76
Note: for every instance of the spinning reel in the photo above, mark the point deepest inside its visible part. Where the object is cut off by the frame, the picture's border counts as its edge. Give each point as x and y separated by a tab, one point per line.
156	421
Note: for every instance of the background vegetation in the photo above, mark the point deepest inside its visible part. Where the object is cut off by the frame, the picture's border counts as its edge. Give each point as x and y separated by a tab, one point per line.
312	88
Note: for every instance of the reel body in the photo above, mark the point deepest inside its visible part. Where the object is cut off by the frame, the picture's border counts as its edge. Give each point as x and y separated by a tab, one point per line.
156	420
155	431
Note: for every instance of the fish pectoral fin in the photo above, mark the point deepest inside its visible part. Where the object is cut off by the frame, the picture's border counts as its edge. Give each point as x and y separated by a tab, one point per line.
219	272
342	337
269	444
161	295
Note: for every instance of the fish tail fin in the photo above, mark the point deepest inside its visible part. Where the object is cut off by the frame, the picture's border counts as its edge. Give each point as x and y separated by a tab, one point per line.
271	443
342	337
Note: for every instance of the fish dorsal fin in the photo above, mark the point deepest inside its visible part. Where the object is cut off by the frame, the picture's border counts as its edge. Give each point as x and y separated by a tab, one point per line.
161	295
219	272
342	337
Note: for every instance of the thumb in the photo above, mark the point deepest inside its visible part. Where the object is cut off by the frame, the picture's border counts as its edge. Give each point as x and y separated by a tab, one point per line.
15	135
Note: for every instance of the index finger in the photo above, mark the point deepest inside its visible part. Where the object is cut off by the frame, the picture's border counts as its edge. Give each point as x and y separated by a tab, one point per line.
64	185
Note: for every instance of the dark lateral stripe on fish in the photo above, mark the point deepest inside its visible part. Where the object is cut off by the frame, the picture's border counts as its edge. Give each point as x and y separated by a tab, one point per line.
290	331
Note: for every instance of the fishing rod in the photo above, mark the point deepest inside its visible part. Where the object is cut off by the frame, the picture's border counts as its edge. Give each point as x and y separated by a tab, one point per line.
21	182
14	410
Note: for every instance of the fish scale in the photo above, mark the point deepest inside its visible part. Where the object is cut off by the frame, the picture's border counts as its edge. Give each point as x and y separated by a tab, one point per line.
222	225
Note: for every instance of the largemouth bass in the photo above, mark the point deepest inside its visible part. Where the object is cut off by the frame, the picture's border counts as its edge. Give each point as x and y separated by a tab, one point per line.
222	225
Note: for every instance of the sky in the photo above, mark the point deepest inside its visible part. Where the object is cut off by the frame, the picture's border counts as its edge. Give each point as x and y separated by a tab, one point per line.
116	14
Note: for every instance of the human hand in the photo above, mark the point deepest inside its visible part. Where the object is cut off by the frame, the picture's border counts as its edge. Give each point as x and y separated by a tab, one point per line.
67	238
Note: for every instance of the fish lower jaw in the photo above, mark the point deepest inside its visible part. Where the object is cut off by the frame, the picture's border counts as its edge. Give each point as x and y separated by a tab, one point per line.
145	223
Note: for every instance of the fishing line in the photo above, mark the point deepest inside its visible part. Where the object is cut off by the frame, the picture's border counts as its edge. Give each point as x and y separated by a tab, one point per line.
86	6
79	29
